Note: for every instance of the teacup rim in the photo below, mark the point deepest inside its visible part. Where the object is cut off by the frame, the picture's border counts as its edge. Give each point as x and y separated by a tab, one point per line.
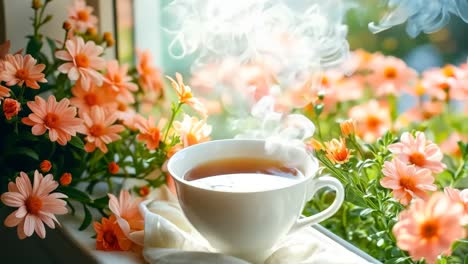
188	183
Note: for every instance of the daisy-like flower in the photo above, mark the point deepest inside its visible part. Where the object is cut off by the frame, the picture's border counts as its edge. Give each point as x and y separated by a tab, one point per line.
86	99
150	76
337	151
109	235
372	119
36	204
460	197
82	62
11	107
117	80
56	117
390	75
450	145
444	83
407	181
126	212
149	132
192	131
427	229
99	128
185	96
80	16
418	151
19	70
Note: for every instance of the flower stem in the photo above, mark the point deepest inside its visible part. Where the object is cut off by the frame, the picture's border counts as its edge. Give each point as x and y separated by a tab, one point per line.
175	112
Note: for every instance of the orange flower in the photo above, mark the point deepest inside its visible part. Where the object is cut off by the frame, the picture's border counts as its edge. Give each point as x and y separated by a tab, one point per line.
390	75
192	131
4	91
19	70
313	144
100	130
35	202
418	151
82	62
427	229
336	151
372	120
348	127
127	212
56	117
113	167
86	99
117	80
80	16
445	83
66	179
150	76
184	93
45	166
149	132
11	107
407	181
109	236
460	197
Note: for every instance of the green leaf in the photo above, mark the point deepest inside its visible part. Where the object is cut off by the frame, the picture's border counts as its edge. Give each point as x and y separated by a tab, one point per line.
34	46
52	45
354	198
75	194
27	152
77	142
102	202
366	212
87	219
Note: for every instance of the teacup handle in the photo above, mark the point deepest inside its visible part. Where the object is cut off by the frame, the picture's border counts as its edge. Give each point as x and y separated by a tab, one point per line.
317	184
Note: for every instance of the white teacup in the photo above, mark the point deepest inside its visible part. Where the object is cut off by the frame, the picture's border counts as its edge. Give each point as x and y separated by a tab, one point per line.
249	224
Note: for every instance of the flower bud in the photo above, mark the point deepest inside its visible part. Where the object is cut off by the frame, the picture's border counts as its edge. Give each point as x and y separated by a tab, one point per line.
66	25
113	167
47	19
92	31
36	4
45	166
313	144
109	39
66	179
348	127
11	107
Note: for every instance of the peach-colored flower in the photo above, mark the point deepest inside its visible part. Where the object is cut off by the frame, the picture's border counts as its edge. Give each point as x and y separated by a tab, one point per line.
11	108
372	119
109	235
428	228
36	204
4	92
419	113
418	151
390	75
86	99
192	131
460	197
444	83
149	132
150	76
407	181
82	62
80	16
19	70
185	96
100	129
336	151
127	212
117	80
57	117
4	49
450	145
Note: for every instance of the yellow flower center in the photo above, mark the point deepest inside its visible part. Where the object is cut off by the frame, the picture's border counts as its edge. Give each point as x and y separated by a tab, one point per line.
96	130
82	60
33	205
22	74
390	72
448	71
51	120
83	15
429	229
417	158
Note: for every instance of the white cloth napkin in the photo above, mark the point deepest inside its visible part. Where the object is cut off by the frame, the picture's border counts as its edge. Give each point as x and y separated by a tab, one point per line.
170	238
